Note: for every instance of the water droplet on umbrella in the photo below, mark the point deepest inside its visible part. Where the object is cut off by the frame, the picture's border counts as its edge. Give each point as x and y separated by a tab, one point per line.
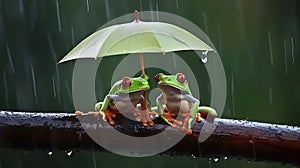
204	59
50	153
205	52
58	16
69	153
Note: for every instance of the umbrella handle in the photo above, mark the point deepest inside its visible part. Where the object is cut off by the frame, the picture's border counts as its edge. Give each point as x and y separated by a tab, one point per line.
142	64
136	15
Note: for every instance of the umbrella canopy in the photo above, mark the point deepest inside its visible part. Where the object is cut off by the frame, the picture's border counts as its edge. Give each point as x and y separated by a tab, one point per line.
136	37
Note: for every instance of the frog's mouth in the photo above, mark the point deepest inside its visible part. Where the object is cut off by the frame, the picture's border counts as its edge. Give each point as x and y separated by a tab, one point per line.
136	90
170	87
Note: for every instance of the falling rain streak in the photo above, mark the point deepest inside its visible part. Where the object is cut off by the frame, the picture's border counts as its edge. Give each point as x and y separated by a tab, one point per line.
54	88
270	95
107	9
87	5
292	48
33	84
174	60
6	92
270	48
94	160
157	17
58	16
177	4
285	57
141	5
72	33
205	22
10	59
232	94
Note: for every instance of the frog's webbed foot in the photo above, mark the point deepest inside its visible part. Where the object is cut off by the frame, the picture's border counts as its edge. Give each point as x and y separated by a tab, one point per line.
186	125
169	116
108	116
144	116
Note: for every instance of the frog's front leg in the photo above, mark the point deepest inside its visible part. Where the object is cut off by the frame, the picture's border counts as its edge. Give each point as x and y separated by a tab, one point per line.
143	114
189	117
207	113
103	108
166	116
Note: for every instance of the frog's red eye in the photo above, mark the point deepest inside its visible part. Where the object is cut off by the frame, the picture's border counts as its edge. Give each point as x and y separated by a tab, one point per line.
157	78
148	79
180	78
126	82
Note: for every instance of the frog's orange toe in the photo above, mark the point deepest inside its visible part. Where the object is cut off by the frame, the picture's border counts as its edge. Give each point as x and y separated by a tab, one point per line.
173	125
78	113
189	132
151	123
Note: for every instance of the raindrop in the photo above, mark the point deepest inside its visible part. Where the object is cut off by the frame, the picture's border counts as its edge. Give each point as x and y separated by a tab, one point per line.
72	33
292	46
193	156
21	7
10	59
205	22
6	92
204	59
94	160
87	6
285	57
58	16
54	88
177	4
33	84
69	153
107	9
51	45
232	93
225	158
270	95
205	52
270	48
141	5
216	159
157	17
50	153
174	60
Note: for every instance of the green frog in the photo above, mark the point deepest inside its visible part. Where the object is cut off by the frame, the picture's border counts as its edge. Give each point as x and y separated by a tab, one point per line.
176	99
126	96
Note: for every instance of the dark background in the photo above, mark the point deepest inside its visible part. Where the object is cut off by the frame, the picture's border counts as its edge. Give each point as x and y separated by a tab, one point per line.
258	42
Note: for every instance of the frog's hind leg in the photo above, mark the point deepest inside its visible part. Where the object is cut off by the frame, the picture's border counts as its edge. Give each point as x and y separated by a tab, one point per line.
208	113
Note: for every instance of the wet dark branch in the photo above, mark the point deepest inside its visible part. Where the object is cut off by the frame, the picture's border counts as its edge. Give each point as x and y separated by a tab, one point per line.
231	138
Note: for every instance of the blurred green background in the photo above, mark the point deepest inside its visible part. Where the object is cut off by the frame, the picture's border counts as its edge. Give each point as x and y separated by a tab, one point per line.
257	41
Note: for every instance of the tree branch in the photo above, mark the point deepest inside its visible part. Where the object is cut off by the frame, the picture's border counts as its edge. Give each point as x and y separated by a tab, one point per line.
231	138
